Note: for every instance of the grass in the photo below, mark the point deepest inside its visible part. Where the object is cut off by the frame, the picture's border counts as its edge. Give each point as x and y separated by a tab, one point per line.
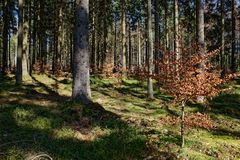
120	124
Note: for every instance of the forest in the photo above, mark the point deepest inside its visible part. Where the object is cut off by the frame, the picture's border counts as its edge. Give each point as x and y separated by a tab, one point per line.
120	79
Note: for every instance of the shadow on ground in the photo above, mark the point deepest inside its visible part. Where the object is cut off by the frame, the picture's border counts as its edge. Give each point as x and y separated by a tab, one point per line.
27	129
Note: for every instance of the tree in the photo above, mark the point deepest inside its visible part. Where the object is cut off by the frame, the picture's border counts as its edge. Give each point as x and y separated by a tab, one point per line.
20	43
25	39
5	36
123	31
193	83
81	76
222	35
176	30
157	32
150	49
166	34
200	34
234	34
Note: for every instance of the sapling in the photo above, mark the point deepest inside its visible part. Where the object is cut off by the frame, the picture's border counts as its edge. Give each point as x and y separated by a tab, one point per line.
188	81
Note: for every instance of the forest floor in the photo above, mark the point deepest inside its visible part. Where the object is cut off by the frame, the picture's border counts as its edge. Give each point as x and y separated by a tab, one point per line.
37	119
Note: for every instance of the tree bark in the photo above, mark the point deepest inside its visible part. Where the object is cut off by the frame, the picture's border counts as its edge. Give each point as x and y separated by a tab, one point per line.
176	30
123	31
129	48
157	35
5	36
222	55
25	40
20	43
81	76
183	125
150	49
139	46
200	37
234	34
93	55
166	34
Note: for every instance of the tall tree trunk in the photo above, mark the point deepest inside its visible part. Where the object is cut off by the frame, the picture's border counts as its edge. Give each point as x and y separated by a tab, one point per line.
60	49
157	35
123	31
139	45
150	49
200	26
9	53
129	48
25	40
5	36
115	44
30	39
93	55
222	35
105	36
34	34
81	76
20	43
166	34
234	34
200	35
176	30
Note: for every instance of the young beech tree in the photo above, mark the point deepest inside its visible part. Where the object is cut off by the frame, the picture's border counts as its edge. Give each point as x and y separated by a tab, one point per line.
191	83
81	76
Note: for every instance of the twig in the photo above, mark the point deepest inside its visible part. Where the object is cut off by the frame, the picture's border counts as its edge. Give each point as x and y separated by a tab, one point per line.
41	155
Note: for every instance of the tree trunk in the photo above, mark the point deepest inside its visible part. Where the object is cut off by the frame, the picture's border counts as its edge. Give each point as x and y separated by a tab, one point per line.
25	41
176	30
200	36
139	45
234	34
93	55
166	34
9	53
5	36
123	31
157	35
129	48
183	125
20	43
115	44
222	55
81	76
150	49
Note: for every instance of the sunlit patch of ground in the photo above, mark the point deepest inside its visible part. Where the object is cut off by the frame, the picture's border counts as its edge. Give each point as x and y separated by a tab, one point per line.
121	123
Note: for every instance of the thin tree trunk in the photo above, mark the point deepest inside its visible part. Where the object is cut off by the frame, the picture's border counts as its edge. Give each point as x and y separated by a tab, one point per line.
150	50
123	31
182	125
157	35
81	76
5	36
105	36
200	36
139	45
176	30
25	40
93	57
20	43
9	53
222	35
129	48
115	44
166	34
234	33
